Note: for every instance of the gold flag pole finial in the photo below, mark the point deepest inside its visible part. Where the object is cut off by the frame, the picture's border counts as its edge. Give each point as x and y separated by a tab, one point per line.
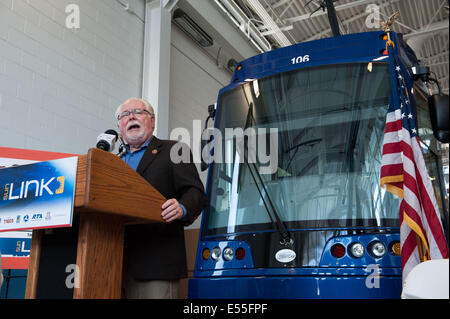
387	28
390	21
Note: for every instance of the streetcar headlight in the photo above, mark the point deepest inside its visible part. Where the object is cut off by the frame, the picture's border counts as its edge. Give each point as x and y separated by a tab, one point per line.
377	249
357	250
216	252
206	253
228	253
394	248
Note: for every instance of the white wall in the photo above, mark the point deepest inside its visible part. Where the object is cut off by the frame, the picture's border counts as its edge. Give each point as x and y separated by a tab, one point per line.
59	88
195	81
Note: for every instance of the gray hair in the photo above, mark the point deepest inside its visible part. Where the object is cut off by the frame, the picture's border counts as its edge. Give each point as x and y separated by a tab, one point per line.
147	105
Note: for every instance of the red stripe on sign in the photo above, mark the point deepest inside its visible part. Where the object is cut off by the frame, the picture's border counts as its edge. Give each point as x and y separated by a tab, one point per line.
15	262
18	153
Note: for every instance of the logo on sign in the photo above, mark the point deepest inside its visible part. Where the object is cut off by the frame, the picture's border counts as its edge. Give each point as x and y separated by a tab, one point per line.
54	185
8	221
36	217
285	255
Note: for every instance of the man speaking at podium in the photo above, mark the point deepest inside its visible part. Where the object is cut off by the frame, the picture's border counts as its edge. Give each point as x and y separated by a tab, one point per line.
155	254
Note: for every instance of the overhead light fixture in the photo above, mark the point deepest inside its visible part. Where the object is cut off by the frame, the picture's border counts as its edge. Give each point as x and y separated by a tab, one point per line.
192	29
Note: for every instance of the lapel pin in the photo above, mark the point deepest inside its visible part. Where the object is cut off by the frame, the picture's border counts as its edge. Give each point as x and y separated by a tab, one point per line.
154	151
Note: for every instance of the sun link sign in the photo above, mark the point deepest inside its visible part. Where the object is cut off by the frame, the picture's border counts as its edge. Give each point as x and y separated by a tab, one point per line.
38	195
39	188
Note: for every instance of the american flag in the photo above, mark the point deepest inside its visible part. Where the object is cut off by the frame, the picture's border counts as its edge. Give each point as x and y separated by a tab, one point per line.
403	173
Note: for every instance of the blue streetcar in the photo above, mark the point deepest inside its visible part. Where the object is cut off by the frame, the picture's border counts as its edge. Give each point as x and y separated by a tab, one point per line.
318	225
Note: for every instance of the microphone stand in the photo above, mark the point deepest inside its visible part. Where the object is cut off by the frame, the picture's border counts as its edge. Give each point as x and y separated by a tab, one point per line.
122	148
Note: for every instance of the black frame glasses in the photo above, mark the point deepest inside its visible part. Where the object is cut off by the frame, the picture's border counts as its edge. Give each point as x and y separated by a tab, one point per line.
136	111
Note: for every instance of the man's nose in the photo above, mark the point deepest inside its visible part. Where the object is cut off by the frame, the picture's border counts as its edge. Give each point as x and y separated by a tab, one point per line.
132	116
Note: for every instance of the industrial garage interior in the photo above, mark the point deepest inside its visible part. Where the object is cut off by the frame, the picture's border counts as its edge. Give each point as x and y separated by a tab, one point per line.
66	66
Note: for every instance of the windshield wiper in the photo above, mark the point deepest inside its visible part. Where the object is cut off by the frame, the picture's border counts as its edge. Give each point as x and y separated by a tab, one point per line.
286	238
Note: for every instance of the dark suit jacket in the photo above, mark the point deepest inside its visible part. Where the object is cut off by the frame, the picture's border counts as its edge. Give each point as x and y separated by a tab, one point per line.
157	251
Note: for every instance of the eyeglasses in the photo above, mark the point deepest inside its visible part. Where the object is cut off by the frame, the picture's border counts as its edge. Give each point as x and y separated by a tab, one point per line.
134	111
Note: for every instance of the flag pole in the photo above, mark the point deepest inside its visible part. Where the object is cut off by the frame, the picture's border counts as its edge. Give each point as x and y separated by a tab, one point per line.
422	250
387	28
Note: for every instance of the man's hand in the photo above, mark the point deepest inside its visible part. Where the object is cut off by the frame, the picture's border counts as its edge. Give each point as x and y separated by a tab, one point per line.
172	210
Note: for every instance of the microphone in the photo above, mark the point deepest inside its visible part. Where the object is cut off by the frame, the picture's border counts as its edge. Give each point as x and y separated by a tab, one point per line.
105	141
122	147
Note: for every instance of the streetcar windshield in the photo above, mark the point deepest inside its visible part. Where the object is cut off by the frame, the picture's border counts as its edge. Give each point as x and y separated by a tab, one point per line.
322	131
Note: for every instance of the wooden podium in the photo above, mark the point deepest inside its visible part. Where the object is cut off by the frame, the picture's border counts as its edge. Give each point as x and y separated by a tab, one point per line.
108	195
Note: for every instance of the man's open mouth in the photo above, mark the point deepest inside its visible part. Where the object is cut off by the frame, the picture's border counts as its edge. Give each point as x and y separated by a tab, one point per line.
133	127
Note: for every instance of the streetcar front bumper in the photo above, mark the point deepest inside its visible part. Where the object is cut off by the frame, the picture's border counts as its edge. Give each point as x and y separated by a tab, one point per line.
296	287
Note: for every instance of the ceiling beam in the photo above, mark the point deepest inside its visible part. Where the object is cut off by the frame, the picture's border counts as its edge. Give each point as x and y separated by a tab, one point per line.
349	20
437	64
435	57
337	8
287	28
244	23
435	27
417	39
269	23
280	3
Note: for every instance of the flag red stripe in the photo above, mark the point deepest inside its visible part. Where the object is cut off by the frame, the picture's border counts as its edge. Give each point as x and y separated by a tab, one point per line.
393	126
391	170
408	247
407	150
391	148
402	209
